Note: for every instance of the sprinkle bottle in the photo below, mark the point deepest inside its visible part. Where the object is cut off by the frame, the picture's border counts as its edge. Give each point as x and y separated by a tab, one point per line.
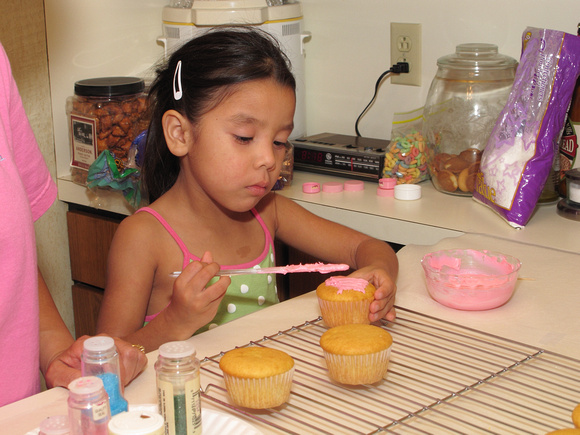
88	407
178	388
100	358
55	425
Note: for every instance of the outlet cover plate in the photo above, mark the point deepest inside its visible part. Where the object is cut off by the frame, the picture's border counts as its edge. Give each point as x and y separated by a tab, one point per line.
406	47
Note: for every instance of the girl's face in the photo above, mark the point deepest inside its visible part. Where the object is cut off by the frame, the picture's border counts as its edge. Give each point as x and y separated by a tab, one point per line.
239	146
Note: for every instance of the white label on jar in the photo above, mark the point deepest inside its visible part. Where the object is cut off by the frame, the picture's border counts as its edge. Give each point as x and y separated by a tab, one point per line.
83	141
181	410
100	410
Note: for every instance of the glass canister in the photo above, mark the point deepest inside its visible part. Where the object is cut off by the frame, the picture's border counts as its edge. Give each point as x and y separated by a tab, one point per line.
465	98
105	113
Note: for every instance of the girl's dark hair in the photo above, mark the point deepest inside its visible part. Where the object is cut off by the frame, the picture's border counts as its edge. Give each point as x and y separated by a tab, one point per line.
211	65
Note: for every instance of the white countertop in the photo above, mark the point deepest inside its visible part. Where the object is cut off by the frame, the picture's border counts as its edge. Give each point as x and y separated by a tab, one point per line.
422	222
543	312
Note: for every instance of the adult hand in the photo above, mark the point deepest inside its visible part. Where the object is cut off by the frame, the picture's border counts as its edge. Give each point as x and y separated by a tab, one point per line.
66	366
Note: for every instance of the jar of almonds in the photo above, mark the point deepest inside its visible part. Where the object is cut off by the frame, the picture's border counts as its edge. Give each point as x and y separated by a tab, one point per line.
105	113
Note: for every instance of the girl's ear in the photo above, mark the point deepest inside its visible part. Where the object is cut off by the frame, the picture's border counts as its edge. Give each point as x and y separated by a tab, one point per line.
177	131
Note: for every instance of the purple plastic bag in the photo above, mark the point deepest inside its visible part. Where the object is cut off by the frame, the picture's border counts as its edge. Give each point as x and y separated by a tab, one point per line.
519	153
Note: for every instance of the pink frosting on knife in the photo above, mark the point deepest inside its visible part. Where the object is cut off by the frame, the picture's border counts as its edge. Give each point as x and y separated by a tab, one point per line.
313	267
345	283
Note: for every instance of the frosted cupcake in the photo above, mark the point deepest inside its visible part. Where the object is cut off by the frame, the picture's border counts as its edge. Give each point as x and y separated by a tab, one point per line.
356	354
344	300
257	377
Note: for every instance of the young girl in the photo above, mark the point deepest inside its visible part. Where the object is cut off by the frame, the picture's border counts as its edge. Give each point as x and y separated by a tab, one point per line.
222	113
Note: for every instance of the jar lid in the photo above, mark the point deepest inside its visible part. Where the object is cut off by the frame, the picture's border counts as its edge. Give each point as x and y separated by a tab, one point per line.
99	343
109	86
573	174
177	349
136	423
477	56
86	385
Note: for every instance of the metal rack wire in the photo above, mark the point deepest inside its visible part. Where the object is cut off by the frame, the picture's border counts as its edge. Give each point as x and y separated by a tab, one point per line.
442	378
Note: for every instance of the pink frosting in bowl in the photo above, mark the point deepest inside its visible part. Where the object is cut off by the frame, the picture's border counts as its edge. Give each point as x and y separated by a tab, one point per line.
468	279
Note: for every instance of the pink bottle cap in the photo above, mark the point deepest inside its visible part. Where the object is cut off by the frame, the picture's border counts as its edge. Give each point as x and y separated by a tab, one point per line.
310	187
385	192
387	183
354	185
332	187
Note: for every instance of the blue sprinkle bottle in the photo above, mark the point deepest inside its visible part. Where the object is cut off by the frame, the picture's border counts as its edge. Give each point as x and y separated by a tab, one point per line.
100	358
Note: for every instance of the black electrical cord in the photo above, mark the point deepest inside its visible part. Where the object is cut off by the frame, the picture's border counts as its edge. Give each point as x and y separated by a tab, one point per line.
398	68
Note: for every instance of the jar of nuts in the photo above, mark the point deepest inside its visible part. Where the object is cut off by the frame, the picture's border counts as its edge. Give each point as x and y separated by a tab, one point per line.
465	98
104	114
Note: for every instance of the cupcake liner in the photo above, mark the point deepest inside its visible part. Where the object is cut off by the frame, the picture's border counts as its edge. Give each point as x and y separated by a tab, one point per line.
358	369
336	313
259	393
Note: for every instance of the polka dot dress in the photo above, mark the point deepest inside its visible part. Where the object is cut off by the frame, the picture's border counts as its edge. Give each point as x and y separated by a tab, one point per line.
246	294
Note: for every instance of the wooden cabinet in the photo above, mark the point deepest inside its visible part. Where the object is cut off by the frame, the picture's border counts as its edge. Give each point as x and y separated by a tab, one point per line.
90	235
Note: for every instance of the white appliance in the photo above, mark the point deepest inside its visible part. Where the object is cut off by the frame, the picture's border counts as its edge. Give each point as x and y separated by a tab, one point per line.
184	19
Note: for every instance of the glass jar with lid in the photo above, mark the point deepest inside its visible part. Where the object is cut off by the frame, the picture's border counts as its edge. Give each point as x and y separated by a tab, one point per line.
465	98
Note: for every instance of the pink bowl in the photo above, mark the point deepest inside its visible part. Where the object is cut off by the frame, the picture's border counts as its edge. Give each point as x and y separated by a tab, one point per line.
467	279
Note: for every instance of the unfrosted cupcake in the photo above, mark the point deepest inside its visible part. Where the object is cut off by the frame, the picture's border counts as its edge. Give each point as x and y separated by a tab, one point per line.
344	300
356	354
257	377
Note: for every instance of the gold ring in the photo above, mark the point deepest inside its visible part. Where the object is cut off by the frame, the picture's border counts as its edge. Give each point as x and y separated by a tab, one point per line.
140	347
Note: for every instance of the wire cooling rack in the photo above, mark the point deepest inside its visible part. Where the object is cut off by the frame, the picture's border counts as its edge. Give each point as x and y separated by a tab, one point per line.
442	379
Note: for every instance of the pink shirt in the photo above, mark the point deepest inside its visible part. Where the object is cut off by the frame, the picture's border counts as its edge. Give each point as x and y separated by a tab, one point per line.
26	192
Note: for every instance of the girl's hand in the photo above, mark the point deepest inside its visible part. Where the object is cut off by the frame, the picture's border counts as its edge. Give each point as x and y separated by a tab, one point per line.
195	302
383	305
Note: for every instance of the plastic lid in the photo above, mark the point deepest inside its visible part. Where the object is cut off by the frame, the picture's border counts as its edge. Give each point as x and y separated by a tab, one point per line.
99	344
177	349
109	86
310	187
387	183
86	385
135	423
354	185
55	425
332	187
407	192
477	56
385	192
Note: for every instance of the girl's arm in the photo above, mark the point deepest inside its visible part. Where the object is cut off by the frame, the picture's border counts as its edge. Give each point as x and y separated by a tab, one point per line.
133	271
374	259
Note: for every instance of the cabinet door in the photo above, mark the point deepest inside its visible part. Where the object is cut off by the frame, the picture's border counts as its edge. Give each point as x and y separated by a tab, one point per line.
90	237
86	304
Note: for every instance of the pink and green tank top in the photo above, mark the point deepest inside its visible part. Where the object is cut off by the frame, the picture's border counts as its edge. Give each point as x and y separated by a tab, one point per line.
246	293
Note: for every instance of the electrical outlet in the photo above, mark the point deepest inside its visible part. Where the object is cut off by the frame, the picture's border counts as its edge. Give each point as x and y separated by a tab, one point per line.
406	47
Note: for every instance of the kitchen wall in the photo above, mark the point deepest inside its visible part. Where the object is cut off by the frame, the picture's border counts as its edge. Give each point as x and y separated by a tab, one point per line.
348	51
350	48
22	33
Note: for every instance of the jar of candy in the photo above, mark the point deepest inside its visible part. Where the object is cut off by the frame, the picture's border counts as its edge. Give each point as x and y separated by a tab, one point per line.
465	98
105	113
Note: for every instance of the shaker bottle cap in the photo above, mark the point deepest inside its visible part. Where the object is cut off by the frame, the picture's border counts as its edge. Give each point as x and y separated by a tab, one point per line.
98	344
177	349
86	385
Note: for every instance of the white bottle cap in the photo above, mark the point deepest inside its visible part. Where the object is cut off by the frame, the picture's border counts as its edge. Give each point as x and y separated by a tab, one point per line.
86	385
99	343
177	349
55	425
137	423
407	192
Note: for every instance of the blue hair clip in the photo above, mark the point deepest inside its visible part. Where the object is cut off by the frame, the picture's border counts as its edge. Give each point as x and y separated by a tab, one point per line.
177	89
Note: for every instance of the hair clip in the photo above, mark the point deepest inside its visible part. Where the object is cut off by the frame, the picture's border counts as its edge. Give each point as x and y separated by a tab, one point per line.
177	89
